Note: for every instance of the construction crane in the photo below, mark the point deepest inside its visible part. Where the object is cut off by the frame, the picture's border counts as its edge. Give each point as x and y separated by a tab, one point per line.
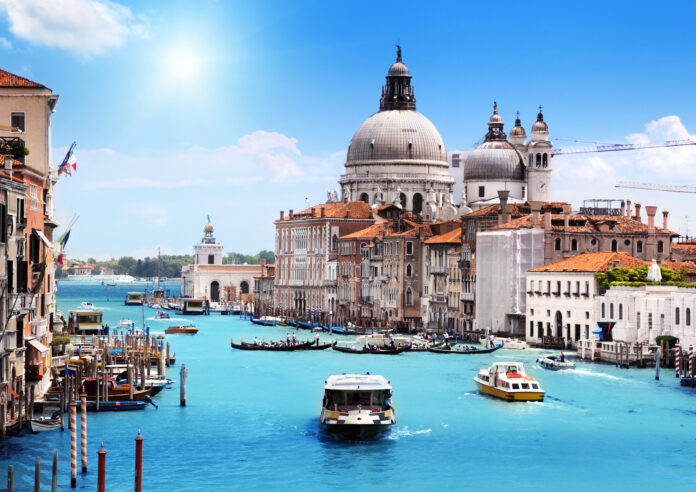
601	147
656	187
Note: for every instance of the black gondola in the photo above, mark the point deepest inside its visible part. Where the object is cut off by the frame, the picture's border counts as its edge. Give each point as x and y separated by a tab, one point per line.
270	348
464	352
376	351
321	347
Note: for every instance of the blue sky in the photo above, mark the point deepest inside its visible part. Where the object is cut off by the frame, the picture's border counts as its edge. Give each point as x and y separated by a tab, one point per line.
242	109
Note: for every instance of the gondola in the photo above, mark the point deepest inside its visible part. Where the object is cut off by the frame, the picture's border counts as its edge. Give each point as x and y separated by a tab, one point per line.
321	347
349	350
264	322
281	348
464	352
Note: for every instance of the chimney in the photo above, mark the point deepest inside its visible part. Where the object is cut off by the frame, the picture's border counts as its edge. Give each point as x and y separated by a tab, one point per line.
282	214
263	265
536	207
623	208
566	216
312	212
323	212
291	214
348	214
651	211
665	213
503	196
628	207
637	217
547	220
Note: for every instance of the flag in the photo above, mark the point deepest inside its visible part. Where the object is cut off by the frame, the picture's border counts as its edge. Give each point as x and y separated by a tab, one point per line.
63	240
69	162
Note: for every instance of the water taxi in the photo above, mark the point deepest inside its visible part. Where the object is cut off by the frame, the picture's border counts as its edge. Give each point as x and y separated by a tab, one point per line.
85	323
509	381
555	362
134	299
508	343
192	306
357	406
86	305
182	330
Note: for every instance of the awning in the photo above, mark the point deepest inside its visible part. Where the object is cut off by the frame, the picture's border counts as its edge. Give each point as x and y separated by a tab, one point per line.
35	344
43	238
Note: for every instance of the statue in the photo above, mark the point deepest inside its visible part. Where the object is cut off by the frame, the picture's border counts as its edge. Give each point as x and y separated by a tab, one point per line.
346	193
334	195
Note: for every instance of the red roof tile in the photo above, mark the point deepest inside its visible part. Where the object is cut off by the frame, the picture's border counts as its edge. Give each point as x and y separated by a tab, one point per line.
8	79
367	233
335	210
592	262
452	237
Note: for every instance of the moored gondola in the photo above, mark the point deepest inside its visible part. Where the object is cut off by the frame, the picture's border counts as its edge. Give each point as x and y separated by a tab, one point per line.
365	350
270	348
467	351
321	347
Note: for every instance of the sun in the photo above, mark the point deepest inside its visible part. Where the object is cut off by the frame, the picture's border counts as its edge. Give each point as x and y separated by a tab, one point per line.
183	65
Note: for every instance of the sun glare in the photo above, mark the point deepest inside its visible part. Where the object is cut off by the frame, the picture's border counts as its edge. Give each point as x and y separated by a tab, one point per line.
183	65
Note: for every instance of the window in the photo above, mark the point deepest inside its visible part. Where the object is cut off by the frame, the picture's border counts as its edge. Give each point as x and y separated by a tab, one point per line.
17	121
531	312
676	316
334	242
365	198
577	332
409	297
603	311
545	160
482	191
639	246
211	259
417	203
587	315
688	317
531	329
613	245
409	248
574	245
524	192
660	246
611	311
538	160
557	246
409	270
620	311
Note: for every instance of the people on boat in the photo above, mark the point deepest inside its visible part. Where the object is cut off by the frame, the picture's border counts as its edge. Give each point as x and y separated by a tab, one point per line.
562	357
287	338
316	339
256	341
293	338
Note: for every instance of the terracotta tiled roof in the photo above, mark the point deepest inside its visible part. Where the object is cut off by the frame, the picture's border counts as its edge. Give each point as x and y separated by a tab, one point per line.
8	79
678	265
684	248
335	210
452	237
591	262
367	233
517	209
592	224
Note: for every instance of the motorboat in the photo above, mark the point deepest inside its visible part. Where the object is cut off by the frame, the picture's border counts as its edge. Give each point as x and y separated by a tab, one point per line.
509	381
508	343
357	406
125	323
86	305
134	299
162	315
181	330
384	340
44	423
462	349
555	362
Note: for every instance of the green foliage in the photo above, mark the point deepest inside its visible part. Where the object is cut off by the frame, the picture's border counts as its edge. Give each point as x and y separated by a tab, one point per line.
240	259
60	340
636	277
669	340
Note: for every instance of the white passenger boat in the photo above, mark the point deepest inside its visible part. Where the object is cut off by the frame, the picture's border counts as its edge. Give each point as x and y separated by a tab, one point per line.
508	343
134	299
86	305
555	362
383	340
357	406
125	323
509	381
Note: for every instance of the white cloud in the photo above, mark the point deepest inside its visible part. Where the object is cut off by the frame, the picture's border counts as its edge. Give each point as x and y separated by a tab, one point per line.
85	27
4	43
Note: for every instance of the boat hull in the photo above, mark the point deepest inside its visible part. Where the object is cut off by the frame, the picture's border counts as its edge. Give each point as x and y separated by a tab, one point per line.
354	432
510	395
44	425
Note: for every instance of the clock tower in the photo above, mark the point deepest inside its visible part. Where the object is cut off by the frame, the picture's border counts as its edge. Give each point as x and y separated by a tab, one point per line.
539	161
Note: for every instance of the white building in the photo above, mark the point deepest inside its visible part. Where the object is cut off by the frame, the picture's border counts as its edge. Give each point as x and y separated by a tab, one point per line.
503	259
208	278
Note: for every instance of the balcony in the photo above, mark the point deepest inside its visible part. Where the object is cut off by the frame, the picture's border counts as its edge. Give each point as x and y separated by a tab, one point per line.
343	302
9	341
366	299
438	270
383	278
39	327
467	296
22	302
439	298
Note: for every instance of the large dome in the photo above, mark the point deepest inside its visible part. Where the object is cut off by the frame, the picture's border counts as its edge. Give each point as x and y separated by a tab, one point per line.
494	160
397	135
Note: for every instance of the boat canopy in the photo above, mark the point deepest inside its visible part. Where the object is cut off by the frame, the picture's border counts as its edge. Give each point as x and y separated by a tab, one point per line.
347	382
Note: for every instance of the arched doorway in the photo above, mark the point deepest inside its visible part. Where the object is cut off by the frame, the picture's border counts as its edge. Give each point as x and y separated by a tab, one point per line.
244	287
214	291
559	324
417	203
402	200
365	198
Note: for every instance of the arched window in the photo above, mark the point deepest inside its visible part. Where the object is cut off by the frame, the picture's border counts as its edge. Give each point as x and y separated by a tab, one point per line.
215	291
409	297
538	160
417	203
676	316
660	246
409	270
244	287
688	316
574	245
365	198
402	199
639	247
545	161
334	242
613	244
557	245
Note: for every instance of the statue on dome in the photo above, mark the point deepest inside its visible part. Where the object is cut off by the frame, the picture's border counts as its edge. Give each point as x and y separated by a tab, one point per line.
346	193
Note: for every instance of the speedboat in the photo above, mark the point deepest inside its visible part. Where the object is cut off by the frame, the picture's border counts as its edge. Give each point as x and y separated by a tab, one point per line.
161	315
509	381
555	362
126	323
384	340
87	305
508	343
357	406
181	330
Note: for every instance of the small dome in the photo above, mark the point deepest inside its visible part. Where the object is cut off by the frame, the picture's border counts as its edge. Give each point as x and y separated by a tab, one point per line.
496	119
398	69
494	160
208	229
517	130
540	125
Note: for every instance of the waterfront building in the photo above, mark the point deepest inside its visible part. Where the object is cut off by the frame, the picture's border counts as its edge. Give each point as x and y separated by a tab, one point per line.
28	298
443	253
684	250
263	290
306	252
208	278
521	168
398	156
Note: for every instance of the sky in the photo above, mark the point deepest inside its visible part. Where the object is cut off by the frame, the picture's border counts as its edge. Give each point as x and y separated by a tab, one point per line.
239	110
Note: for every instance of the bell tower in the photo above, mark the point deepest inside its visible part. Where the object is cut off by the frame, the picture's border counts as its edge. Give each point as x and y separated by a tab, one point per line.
539	161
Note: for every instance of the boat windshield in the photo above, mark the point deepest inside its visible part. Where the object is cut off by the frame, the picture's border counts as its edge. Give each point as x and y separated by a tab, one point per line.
195	304
350	400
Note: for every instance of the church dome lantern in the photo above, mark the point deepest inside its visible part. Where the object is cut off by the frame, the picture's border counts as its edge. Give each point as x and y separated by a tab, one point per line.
540	130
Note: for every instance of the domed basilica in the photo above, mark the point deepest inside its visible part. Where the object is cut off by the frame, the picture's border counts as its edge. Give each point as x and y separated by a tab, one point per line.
397	155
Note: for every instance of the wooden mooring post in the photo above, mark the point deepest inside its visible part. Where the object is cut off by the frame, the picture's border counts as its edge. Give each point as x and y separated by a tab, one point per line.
37	475
138	462
54	473
657	364
182	385
101	476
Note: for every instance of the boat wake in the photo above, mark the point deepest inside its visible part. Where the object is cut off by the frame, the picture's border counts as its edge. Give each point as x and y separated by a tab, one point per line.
152	318
397	434
585	372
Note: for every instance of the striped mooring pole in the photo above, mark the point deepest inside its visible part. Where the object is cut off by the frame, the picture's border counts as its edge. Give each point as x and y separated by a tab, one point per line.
139	463
83	430
677	352
101	477
691	360
73	445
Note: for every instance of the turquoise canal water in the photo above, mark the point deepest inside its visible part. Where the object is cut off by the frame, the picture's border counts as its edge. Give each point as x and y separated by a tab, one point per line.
251	422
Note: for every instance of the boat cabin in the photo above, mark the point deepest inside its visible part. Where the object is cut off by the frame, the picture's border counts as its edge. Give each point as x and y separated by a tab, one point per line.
85	323
134	299
346	392
192	306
